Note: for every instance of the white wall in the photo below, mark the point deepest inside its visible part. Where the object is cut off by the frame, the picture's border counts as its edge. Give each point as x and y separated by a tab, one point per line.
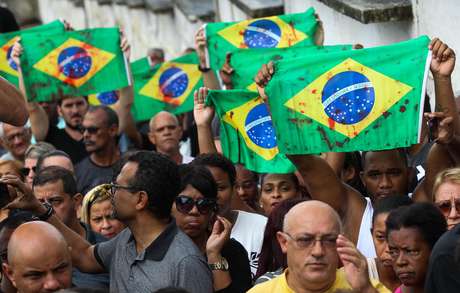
431	17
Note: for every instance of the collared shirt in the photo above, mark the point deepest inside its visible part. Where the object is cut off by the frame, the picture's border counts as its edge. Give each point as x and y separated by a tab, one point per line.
280	285
172	259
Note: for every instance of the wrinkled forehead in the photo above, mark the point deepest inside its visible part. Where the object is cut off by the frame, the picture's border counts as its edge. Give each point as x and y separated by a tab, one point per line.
383	159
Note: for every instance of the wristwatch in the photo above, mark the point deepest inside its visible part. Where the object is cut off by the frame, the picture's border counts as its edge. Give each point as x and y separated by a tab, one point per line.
49	212
222	265
203	69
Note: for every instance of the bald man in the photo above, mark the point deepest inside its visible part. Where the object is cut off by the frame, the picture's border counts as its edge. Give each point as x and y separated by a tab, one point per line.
312	240
165	133
38	259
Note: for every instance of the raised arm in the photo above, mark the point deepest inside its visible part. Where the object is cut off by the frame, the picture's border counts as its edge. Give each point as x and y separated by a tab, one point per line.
12	105
322	181
447	127
203	118
124	105
38	118
82	252
209	77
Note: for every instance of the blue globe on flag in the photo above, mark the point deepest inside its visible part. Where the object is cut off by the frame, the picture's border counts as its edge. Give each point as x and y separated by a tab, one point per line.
262	33
173	82
259	127
11	63
348	97
74	62
108	98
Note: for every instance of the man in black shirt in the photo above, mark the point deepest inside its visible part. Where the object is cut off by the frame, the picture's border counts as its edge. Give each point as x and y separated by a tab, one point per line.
100	134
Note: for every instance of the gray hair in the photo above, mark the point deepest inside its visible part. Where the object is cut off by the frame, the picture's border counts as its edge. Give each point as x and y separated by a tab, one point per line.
34	151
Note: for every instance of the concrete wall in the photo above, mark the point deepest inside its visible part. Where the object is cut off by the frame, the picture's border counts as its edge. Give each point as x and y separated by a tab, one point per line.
431	17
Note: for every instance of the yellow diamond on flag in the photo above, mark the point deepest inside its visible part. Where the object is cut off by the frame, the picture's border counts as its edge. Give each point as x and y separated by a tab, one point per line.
253	122
269	32
348	97
74	62
172	83
6	63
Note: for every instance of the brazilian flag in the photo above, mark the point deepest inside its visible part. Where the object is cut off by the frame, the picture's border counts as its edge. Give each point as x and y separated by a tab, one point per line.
288	30
247	134
369	99
168	86
75	63
8	69
246	63
106	98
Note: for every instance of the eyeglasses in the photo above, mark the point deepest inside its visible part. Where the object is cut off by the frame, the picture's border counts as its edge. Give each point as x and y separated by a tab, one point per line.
308	241
26	171
21	135
91	129
185	204
114	187
446	206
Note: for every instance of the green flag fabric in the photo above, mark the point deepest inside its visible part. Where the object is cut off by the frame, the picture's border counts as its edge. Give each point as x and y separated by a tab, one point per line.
247	134
369	99
288	30
246	63
168	86
8	69
74	63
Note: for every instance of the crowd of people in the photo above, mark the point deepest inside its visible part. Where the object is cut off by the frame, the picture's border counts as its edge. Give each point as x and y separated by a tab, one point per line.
102	204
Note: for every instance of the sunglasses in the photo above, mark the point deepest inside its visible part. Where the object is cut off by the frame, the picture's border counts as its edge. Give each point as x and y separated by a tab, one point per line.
185	204
26	171
446	206
91	129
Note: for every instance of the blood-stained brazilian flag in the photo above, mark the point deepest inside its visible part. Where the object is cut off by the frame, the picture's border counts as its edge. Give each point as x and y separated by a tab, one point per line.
367	99
168	86
76	63
246	63
288	30
8	69
247	134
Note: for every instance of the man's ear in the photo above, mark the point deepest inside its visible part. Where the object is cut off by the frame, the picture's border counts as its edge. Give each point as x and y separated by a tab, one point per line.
77	199
151	137
282	241
7	270
59	110
143	201
348	173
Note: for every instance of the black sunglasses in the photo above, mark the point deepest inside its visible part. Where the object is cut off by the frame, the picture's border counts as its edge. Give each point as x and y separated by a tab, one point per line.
91	129
185	204
25	171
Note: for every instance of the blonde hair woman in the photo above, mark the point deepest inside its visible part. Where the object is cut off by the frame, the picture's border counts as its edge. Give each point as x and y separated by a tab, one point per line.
446	195
97	212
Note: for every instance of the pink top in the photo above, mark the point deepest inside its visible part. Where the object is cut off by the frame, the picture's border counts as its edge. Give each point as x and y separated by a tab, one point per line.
398	290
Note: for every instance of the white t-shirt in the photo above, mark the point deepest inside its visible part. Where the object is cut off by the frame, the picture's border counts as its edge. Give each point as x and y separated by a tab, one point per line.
186	159
365	242
249	230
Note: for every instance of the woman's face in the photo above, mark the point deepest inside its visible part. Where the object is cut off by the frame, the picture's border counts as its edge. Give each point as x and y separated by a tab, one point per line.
380	241
275	189
102	221
193	223
447	199
410	254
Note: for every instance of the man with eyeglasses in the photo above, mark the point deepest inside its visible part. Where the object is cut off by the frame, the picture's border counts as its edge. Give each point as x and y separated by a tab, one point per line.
16	140
152	253
312	240
100	136
56	187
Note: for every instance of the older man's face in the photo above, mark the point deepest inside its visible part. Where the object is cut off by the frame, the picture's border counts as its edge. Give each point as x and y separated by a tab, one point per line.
309	240
16	140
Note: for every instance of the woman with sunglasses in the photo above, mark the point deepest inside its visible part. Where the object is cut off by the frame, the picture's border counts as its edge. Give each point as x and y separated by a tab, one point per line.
195	213
446	195
97	212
